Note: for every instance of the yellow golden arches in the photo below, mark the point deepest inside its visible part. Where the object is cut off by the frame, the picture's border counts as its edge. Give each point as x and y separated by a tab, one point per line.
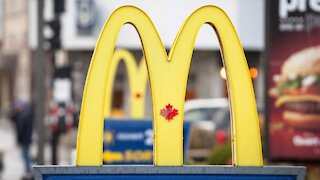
137	77
168	79
245	124
90	132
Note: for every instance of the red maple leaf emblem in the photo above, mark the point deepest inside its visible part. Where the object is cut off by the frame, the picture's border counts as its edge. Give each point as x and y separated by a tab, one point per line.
169	112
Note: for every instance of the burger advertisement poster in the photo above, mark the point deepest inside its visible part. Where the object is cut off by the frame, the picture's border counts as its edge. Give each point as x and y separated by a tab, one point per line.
293	85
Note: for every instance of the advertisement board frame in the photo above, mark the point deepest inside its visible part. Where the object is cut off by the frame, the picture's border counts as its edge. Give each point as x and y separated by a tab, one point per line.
266	65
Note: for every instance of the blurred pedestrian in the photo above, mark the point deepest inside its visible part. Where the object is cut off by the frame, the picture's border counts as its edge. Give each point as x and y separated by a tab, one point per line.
22	116
61	121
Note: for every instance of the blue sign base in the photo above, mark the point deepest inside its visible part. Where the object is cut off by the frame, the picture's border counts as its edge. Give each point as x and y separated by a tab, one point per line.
134	145
135	172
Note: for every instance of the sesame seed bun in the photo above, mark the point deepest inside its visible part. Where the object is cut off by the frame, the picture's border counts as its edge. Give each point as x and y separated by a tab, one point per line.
302	63
301	111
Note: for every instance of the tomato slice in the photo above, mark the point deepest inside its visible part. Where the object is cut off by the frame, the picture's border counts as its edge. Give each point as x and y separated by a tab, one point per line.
292	91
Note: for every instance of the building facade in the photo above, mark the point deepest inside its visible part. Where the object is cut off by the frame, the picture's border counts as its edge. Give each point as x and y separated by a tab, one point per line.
15	64
82	21
205	80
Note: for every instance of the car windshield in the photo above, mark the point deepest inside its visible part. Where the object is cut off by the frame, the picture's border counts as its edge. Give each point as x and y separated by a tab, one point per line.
220	116
199	114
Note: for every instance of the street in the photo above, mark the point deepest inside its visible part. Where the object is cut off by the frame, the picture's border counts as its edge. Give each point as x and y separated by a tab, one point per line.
13	162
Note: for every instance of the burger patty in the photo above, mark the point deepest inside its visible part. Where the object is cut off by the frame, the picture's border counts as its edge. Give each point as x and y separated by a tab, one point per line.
304	107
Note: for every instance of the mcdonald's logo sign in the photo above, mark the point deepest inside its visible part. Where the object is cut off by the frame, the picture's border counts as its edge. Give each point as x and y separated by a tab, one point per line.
168	76
137	76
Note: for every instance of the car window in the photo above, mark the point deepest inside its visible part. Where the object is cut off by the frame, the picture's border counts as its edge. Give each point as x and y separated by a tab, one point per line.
219	116
222	118
200	114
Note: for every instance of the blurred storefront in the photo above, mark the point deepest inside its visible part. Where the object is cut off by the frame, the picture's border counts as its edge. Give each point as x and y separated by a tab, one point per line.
77	27
15	64
82	20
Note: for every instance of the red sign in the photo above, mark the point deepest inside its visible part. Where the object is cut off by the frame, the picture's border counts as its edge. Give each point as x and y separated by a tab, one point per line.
294	80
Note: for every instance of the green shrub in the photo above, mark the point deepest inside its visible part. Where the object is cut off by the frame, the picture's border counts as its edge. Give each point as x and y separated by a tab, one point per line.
220	154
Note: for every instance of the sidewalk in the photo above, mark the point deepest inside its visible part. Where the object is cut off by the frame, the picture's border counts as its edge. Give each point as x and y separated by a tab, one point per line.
13	164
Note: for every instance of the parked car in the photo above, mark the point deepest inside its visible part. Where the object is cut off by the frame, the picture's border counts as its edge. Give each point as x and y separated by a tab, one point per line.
210	120
207	116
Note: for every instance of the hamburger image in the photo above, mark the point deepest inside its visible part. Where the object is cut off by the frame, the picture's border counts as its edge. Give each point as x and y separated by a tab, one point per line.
297	89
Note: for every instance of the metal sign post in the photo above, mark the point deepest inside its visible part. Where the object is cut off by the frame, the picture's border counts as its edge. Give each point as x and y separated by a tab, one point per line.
168	76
